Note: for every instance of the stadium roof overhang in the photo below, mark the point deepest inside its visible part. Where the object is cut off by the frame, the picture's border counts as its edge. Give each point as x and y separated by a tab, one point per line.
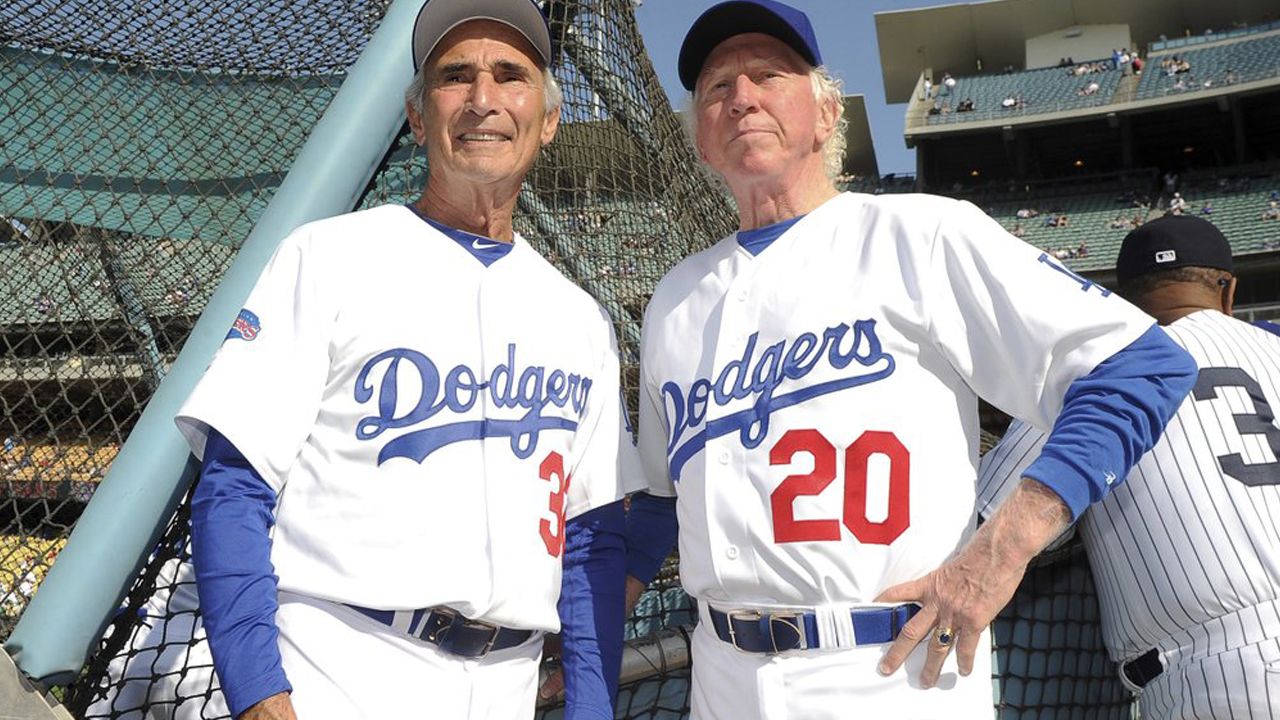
952	37
860	152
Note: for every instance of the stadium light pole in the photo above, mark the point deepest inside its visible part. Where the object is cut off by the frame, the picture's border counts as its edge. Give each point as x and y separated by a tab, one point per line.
62	624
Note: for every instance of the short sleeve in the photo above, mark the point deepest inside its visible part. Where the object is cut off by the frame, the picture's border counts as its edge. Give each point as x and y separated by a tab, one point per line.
654	431
263	389
1016	324
597	477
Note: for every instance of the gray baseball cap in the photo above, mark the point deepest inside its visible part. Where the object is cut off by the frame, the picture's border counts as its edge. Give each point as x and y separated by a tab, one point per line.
438	17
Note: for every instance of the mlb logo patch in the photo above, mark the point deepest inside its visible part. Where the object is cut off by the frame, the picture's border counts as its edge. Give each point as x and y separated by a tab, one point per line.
1165	256
246	327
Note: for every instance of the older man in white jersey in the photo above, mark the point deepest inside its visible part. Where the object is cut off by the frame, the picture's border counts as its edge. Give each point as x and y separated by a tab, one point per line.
1186	553
412	424
809	395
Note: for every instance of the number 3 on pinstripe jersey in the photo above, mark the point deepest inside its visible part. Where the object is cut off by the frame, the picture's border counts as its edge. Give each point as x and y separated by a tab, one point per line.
552	468
1260	421
786	528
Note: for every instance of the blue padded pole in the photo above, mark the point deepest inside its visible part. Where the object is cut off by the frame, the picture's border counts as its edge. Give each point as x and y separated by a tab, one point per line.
140	493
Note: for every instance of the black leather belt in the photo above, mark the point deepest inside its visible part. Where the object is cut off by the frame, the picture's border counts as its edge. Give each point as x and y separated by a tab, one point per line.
447	629
1144	668
782	630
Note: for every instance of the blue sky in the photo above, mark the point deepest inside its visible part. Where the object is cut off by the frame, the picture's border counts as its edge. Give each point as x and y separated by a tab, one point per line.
846	35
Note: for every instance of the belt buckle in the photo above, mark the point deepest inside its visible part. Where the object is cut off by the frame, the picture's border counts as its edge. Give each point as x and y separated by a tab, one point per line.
793	619
732	615
438	635
493	631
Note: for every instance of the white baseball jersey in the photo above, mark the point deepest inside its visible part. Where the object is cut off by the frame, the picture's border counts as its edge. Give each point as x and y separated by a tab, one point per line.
429	421
1186	553
815	407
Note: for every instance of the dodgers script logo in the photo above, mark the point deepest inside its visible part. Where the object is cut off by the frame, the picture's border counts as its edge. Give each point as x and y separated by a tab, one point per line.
533	389
246	327
761	377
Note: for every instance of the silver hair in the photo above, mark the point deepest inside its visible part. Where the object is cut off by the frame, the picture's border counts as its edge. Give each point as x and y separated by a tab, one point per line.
826	88
416	94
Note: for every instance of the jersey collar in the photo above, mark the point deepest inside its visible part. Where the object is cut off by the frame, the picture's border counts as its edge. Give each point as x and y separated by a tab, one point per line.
756	240
486	250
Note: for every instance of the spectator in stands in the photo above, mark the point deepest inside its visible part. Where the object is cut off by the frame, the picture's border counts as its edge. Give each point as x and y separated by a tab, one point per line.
1063	221
1027	213
1125	59
1137	64
45	305
1120	222
1272	212
1170	181
948	82
946	107
1230	77
966	105
1207	208
1018	230
1090	89
928	89
1177	204
1008	102
1115	57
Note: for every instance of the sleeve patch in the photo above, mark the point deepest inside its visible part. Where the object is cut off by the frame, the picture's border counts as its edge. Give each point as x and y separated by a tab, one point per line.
246	327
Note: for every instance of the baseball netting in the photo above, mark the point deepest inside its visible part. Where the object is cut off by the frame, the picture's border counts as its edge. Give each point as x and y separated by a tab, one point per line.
141	142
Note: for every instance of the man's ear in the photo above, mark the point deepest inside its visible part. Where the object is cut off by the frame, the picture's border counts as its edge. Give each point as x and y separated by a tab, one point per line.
1228	296
416	126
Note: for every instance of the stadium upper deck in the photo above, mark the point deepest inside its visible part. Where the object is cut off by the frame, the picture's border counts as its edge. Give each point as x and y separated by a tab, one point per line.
1003	56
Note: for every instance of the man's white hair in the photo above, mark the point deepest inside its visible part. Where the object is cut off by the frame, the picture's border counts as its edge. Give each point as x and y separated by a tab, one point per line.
416	94
826	88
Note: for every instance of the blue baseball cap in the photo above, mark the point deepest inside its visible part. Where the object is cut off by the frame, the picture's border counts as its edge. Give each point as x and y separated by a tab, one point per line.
438	17
723	21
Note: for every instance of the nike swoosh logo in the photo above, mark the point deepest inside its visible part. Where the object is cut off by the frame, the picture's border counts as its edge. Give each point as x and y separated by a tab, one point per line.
482	245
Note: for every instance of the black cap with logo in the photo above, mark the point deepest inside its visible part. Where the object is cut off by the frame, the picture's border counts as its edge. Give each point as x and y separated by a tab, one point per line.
1172	241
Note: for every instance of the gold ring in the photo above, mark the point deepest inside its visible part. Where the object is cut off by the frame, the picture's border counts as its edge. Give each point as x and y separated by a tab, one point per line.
945	636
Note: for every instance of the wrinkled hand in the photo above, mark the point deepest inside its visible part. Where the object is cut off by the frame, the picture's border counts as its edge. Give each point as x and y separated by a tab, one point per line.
967	592
554	684
276	707
964	594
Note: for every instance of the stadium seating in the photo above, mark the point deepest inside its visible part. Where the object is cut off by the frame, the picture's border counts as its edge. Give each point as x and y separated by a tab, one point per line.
1096	223
1251	58
1237	206
1042	90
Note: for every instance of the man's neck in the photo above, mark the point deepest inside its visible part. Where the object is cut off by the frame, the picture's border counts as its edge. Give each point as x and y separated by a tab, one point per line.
764	203
480	210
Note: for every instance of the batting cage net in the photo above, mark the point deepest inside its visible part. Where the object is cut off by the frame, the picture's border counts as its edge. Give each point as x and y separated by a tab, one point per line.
141	142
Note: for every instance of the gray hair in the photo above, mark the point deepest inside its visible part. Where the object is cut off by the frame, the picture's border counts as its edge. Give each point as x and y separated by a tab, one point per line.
415	95
826	88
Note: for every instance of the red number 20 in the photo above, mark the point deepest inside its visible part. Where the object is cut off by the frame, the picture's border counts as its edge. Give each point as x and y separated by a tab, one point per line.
552	468
788	529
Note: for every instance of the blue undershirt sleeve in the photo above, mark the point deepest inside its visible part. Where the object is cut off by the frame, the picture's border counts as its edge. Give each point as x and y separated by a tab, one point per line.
592	597
231	516
1111	417
651	534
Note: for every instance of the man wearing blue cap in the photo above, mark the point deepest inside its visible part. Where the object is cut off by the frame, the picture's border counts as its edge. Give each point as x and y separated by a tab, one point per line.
413	427
809	393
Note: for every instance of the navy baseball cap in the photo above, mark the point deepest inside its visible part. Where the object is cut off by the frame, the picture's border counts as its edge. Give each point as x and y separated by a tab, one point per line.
1173	241
438	17
723	21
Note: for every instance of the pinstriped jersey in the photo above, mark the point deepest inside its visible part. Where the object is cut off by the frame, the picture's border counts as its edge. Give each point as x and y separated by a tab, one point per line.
1191	535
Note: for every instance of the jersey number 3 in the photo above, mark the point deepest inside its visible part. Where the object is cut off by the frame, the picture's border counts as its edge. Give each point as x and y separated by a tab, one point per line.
1261	421
786	528
552	469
